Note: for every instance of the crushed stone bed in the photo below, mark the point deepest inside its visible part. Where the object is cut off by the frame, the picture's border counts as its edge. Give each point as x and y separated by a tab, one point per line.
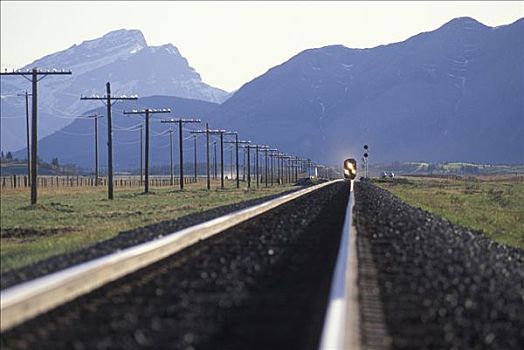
123	240
442	286
263	284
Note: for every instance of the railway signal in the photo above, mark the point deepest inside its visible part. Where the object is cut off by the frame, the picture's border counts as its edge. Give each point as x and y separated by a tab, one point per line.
180	122
109	100
35	74
146	113
366	154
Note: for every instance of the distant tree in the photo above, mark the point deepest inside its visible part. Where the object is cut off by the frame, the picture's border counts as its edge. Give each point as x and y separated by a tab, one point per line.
54	163
9	156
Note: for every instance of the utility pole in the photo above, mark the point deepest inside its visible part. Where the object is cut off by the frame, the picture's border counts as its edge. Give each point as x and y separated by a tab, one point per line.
222	160
35	73
171	155
95	118
141	154
181	122
282	168
257	168
279	168
244	164
26	95
236	142
296	168
141	150
207	154
215	160
214	132
265	166
231	161
248	166
277	156
207	131
271	162
248	146
256	165
221	133
147	113
287	168
195	158
109	100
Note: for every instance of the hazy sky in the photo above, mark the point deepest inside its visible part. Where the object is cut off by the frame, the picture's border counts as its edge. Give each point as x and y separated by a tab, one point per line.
230	43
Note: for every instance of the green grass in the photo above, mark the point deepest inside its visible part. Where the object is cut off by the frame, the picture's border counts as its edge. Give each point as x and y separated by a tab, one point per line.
65	220
495	206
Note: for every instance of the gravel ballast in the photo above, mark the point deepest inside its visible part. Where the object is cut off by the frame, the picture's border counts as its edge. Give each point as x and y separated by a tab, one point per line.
263	284
123	240
442	286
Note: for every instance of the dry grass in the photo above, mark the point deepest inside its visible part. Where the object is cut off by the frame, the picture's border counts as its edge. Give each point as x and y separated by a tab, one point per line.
494	205
66	219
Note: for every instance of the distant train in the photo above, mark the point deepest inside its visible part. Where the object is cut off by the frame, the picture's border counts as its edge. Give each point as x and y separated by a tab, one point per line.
350	168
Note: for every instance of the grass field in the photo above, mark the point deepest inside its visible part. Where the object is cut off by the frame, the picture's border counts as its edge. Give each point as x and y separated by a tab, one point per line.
67	219
494	205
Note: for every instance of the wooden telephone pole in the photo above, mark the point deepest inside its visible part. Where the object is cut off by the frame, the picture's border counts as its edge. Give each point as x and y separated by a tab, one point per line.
36	76
147	113
109	100
95	118
180	123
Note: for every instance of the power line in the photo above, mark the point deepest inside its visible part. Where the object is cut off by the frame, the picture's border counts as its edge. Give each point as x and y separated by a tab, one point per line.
26	95
74	133
36	76
95	117
146	113
108	101
12	117
181	122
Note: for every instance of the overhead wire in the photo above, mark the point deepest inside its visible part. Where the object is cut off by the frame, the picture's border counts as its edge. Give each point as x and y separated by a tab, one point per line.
73	133
12	117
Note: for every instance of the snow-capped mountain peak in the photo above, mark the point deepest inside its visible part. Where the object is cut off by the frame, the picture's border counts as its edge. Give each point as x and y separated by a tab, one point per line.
169	48
122	57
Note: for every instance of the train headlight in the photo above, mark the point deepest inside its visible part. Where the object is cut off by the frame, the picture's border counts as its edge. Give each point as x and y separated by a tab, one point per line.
350	168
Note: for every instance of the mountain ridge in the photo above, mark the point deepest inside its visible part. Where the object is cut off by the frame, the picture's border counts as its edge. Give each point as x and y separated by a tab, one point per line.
436	96
94	62
450	72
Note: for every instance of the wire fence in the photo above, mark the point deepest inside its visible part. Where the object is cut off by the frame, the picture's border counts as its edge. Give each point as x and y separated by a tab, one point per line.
134	181
22	181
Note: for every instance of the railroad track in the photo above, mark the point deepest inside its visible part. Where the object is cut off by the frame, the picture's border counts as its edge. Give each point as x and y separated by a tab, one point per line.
261	283
292	275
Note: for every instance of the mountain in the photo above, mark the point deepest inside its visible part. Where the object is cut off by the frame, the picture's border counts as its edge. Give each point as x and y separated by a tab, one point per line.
79	136
455	93
121	57
452	94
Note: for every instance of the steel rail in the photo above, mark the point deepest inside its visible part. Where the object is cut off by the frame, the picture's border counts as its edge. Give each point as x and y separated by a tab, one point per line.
27	300
341	323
